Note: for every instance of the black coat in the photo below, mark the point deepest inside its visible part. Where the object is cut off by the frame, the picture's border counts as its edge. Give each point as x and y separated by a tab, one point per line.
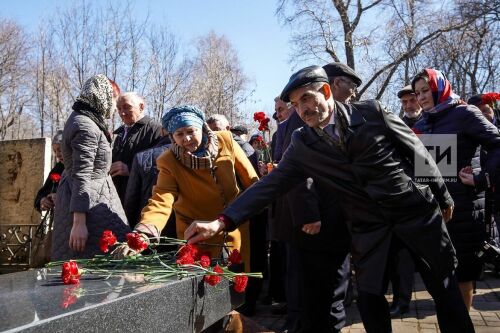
373	182
472	130
49	186
144	134
143	176
307	203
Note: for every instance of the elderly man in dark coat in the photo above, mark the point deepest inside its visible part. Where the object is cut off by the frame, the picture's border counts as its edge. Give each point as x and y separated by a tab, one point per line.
315	303
138	132
343	80
366	156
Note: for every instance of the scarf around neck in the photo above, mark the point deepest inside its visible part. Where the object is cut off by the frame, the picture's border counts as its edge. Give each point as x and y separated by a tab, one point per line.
208	152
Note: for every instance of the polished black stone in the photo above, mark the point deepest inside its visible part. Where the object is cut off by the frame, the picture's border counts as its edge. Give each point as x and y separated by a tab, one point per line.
38	301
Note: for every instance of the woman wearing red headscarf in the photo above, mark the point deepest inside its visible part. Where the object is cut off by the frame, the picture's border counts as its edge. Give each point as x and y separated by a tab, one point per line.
446	113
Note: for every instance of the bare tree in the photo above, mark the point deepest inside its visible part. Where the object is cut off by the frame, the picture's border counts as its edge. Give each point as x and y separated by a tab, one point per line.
164	76
13	75
218	83
315	35
76	29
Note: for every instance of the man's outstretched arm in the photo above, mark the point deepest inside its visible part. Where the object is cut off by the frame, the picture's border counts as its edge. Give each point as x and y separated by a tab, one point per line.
288	174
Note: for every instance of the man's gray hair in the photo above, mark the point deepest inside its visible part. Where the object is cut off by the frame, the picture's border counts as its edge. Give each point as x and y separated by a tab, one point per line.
134	96
57	139
218	117
277	98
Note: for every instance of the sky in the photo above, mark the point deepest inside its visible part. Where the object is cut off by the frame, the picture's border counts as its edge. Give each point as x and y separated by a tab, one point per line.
251	27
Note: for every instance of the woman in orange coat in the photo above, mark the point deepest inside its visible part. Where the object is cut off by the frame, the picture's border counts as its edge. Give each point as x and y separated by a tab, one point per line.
201	173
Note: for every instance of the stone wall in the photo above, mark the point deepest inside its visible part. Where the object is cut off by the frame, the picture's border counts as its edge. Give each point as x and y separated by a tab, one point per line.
24	165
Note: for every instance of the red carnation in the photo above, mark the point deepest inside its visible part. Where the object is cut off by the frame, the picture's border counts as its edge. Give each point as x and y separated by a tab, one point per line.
189	249
187	255
214	280
205	261
136	242
107	239
70	273
186	259
55	177
240	283
234	258
264	124
490	98
259	116
416	131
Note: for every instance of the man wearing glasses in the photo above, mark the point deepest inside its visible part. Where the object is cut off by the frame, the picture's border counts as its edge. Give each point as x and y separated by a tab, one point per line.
343	80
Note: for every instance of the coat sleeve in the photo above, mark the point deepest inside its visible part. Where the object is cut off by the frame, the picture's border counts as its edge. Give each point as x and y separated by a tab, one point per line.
410	147
159	207
84	144
311	203
133	194
484	133
284	177
243	168
278	148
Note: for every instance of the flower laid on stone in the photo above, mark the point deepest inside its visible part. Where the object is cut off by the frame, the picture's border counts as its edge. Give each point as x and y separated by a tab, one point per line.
234	258
107	239
136	242
187	261
214	277
70	273
240	283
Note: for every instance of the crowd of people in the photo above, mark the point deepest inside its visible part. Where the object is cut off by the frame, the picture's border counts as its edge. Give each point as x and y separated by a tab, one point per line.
344	197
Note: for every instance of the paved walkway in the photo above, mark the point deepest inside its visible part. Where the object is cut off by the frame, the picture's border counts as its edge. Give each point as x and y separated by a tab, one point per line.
422	318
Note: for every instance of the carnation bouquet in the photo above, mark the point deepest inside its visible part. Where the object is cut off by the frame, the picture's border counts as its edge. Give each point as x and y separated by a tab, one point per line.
263	127
187	261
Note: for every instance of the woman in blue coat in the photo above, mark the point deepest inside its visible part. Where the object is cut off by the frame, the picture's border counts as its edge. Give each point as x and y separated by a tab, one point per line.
445	113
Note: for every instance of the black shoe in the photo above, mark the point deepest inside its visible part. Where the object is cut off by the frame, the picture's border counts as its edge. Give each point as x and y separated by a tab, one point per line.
247	309
399	310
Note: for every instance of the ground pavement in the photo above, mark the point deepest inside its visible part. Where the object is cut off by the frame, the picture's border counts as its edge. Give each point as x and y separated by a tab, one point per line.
422	318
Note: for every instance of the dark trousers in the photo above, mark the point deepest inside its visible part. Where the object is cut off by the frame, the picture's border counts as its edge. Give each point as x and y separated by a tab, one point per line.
316	288
258	255
401	274
277	271
452	314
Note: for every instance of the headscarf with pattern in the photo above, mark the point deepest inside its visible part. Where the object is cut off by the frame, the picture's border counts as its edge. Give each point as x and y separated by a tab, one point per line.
442	94
96	101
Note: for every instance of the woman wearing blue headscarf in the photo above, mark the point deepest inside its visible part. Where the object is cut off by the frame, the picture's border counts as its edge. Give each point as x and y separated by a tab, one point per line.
201	173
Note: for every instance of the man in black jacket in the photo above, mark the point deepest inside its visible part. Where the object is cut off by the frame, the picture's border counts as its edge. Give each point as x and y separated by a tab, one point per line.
315	302
366	156
412	112
138	132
